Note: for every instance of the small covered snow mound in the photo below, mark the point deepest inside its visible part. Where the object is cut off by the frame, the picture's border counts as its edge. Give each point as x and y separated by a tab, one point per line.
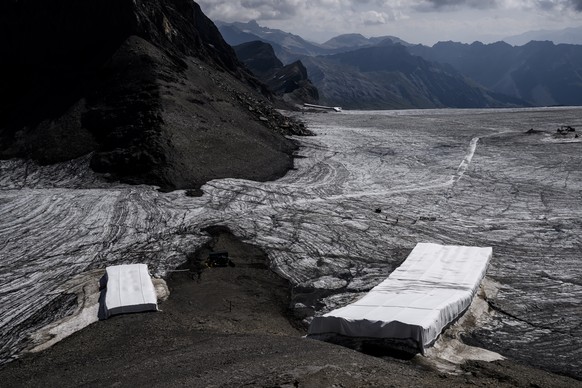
432	288
129	290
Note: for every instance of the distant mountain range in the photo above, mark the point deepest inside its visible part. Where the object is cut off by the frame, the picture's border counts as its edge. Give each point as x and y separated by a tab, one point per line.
238	33
540	73
565	36
386	72
389	77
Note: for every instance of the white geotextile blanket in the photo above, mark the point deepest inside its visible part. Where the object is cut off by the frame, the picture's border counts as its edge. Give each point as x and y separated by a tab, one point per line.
129	290
433	287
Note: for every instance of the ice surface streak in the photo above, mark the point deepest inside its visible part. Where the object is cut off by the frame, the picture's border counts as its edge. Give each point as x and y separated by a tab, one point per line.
365	190
49	235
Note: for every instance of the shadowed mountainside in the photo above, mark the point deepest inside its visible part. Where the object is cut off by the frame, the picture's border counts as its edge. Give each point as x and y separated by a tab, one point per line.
388	77
150	87
291	81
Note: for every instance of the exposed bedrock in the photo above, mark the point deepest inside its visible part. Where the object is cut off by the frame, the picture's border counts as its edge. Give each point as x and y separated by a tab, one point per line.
290	81
149	86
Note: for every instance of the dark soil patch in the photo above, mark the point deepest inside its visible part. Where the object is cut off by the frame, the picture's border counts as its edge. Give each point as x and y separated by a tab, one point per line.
245	296
230	327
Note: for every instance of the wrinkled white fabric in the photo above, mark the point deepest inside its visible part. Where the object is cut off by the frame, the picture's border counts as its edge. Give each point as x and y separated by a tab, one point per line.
433	287
129	290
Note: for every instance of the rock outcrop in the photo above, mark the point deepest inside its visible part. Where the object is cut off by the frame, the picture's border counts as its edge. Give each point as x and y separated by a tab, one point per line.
150	87
291	81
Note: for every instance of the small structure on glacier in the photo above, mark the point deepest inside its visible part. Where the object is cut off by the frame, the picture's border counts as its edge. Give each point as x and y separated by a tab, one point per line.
129	290
410	309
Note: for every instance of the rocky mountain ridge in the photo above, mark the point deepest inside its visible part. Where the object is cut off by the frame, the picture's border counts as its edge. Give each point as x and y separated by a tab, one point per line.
149	87
388	77
570	35
541	73
288	81
290	47
238	33
352	41
356	72
536	74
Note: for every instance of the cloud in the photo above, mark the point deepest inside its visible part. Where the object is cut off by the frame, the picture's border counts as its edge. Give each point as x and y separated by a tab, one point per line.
576	5
330	15
371	18
347	13
241	10
544	5
414	20
443	5
371	11
548	5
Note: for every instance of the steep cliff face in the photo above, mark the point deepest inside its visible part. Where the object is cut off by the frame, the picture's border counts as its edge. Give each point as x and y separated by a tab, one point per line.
259	57
149	86
290	81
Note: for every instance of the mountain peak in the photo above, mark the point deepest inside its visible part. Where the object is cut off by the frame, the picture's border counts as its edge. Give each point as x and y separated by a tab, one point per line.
569	35
238	33
347	40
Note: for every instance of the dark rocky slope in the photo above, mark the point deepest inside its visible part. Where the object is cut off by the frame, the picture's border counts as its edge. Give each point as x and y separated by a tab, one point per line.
291	81
150	87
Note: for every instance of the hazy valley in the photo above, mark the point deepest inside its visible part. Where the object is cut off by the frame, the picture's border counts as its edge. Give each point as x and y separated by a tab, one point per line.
389	73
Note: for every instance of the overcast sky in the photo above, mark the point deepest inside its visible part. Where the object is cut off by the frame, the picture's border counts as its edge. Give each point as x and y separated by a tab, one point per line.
416	21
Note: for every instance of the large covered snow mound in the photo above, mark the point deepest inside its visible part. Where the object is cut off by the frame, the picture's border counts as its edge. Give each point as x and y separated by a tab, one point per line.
432	288
129	290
